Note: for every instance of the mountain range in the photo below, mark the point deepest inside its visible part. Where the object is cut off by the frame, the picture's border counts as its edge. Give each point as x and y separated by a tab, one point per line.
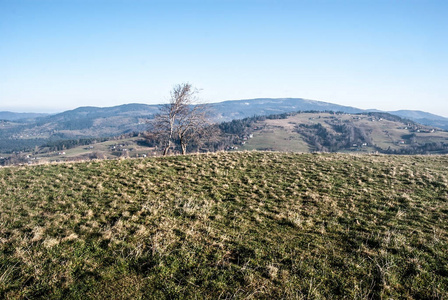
91	122
222	111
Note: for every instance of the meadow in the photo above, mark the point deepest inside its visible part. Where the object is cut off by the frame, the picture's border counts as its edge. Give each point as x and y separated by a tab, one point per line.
241	225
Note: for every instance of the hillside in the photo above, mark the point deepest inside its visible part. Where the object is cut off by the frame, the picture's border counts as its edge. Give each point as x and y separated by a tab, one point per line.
372	132
227	225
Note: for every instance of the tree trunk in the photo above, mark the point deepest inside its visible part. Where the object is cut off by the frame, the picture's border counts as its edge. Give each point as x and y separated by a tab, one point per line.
167	149
184	149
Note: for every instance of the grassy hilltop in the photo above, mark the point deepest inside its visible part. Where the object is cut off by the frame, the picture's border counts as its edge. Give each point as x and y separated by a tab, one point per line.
227	225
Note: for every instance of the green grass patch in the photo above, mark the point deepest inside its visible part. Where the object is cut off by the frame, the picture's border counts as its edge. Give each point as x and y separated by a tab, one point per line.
276	139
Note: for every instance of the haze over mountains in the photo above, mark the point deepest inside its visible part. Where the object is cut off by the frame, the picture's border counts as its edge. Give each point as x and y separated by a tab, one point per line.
13	116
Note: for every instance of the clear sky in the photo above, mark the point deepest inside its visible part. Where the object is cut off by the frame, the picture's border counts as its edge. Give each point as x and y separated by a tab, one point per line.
385	54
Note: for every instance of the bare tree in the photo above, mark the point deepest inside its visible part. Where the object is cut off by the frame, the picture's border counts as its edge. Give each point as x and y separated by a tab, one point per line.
182	119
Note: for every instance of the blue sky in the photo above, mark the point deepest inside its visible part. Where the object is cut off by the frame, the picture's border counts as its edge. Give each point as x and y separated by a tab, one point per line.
61	54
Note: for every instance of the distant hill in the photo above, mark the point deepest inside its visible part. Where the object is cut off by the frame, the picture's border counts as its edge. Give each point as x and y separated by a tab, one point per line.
423	118
238	109
13	116
99	121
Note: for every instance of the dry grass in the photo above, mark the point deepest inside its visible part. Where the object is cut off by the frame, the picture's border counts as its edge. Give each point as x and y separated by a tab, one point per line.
240	225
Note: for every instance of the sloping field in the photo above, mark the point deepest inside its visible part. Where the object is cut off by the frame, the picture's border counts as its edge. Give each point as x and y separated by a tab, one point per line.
241	225
379	134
